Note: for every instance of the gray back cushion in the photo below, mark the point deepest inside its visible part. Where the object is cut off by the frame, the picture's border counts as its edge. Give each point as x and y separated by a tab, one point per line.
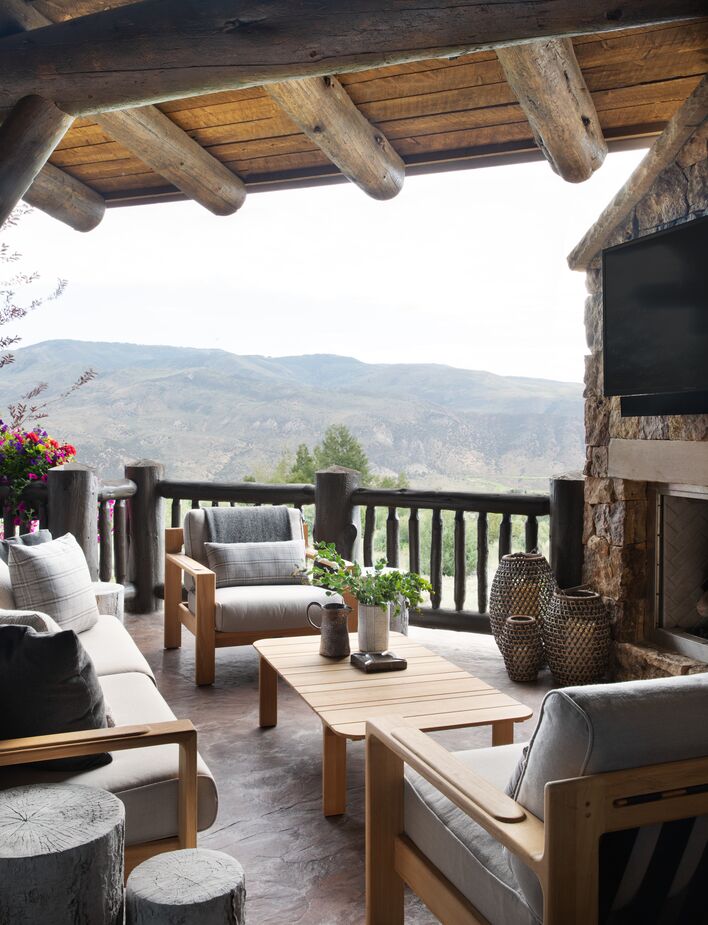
609	727
24	539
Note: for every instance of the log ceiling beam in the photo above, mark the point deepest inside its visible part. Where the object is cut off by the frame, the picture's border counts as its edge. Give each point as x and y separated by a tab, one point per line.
551	89
165	49
321	107
28	136
65	198
680	128
146	131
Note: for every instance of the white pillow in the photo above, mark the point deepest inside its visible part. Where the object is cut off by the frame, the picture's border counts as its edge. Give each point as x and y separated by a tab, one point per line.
257	563
41	622
54	578
7	598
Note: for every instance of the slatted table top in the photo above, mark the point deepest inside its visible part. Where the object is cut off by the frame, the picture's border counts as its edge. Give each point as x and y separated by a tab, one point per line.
431	692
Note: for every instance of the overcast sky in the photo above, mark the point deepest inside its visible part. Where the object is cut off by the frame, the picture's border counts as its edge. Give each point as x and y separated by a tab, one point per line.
465	268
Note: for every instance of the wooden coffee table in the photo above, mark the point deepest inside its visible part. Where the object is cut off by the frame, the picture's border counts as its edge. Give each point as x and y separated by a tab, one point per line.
431	693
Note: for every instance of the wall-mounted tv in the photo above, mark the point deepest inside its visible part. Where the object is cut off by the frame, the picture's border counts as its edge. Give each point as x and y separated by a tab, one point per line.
655	292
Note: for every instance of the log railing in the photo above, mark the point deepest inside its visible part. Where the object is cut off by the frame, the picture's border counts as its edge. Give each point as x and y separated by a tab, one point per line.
459	504
215	493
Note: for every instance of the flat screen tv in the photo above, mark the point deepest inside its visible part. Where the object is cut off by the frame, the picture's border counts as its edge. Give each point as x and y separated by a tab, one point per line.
655	292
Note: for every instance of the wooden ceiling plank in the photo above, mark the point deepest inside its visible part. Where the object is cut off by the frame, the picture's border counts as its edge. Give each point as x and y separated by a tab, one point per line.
551	89
28	136
321	107
161	144
65	198
661	155
162	49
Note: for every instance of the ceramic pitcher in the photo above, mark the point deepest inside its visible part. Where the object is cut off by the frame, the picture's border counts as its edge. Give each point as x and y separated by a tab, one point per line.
334	631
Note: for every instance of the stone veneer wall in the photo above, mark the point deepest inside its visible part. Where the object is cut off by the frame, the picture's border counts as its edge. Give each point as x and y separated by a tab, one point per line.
614	535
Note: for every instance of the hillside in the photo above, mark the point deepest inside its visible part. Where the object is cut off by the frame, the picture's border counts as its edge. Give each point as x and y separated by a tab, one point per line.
212	414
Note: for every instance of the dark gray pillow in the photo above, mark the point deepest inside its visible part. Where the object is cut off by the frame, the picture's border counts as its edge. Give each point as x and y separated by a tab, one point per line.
47	685
24	539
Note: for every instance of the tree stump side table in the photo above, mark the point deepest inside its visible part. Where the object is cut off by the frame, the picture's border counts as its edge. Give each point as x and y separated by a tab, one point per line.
61	855
193	886
110	598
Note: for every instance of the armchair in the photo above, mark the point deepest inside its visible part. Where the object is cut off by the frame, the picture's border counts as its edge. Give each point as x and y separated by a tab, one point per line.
228	616
608	822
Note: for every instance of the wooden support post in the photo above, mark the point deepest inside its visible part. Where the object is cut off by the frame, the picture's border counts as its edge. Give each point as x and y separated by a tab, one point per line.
567	505
73	508
384	823
27	137
337	520
146	524
334	772
65	198
267	694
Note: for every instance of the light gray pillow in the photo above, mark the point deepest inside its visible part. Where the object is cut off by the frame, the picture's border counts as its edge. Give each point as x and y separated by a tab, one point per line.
280	563
54	578
40	622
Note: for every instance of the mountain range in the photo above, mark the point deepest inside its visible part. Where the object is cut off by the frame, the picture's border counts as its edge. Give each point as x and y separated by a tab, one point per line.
210	414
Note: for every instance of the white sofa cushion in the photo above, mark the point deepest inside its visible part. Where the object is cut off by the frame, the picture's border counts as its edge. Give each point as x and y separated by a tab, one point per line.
145	779
253	608
41	622
470	858
54	578
7	598
112	649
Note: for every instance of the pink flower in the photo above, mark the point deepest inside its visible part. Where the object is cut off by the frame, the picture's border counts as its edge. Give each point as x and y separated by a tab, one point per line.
17	521
32	476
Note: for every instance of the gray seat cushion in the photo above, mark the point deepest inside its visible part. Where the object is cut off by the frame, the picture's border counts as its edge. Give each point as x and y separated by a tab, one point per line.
469	857
254	608
112	649
609	727
145	779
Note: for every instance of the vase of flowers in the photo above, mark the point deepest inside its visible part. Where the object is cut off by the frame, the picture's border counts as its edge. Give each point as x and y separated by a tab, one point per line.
26	456
380	591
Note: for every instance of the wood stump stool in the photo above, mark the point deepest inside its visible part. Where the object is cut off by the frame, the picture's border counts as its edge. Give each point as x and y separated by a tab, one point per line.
61	855
193	886
110	598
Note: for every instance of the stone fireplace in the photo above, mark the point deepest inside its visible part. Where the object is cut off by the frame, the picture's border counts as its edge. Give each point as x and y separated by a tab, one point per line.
645	532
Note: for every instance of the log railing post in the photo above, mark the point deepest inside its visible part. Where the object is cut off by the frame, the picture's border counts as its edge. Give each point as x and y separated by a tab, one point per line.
337	519
567	503
73	508
147	532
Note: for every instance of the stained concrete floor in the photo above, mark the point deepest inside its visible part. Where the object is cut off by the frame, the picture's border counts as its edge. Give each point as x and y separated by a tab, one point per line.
300	867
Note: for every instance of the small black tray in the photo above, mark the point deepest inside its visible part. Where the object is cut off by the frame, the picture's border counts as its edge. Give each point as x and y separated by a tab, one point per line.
370	662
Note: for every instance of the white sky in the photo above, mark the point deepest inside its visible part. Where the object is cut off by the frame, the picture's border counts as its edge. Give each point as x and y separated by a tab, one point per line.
465	268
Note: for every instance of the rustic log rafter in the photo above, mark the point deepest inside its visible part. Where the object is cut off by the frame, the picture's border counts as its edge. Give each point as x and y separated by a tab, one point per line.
158	50
551	89
146	131
681	127
65	198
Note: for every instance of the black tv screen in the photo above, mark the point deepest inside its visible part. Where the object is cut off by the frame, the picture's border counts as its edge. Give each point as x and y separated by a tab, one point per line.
656	313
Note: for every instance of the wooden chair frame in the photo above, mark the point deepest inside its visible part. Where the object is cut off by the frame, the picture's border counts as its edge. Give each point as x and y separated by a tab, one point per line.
563	851
90	742
202	623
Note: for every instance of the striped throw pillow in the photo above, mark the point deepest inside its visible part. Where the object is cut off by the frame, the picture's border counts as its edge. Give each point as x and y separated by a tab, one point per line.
54	579
235	564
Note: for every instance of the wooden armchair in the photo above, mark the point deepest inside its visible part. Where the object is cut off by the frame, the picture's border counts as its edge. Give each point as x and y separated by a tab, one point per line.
91	742
570	871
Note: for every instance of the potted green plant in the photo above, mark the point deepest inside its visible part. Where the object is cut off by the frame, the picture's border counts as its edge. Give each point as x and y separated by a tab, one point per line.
380	592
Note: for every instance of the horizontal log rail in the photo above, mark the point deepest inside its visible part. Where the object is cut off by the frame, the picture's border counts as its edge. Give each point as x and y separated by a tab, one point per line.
530	507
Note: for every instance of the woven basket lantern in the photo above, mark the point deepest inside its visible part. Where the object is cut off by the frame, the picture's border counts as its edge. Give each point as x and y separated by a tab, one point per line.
521	647
523	584
576	637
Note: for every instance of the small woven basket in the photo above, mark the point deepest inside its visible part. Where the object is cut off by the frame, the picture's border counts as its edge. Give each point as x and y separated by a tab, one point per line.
576	637
523	584
521	647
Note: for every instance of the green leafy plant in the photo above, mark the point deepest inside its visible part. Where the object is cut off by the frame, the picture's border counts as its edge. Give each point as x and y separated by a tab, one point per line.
376	587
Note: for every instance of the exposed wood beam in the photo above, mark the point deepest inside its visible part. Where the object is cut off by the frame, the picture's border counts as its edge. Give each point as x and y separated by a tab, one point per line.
551	89
27	137
65	198
147	132
682	125
165	49
321	107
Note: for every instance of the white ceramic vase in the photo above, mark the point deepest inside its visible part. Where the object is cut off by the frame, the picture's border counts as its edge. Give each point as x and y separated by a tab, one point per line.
374	627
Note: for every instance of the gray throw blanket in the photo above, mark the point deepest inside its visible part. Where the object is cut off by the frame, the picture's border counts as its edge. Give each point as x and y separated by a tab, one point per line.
248	524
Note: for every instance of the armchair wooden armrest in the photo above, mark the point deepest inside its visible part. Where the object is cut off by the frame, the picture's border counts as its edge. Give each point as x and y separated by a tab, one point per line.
92	741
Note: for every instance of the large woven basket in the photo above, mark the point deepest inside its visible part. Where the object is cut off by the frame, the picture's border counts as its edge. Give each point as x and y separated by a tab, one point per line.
523	584
521	647
576	637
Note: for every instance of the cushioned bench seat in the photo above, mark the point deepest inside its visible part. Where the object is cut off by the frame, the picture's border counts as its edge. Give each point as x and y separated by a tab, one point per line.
112	649
252	608
144	778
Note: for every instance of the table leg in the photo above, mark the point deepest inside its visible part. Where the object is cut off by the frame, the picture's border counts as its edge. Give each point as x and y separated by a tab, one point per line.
503	732
334	772
267	694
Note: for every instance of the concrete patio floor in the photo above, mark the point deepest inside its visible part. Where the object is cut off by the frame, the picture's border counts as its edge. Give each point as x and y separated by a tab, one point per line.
300	867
